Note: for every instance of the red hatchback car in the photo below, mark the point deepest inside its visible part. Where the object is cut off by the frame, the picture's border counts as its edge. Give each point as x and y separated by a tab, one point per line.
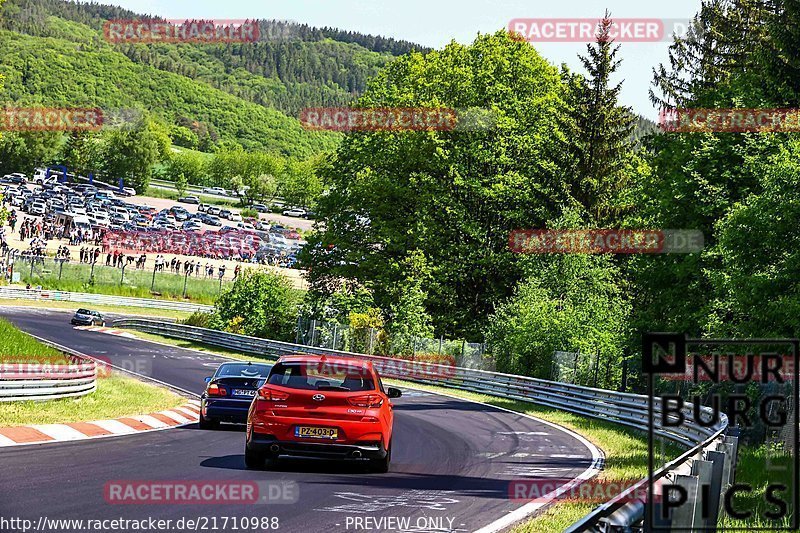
330	408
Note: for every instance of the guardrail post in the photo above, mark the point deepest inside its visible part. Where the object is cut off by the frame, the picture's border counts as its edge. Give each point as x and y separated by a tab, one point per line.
687	516
727	469
733	442
717	460
708	497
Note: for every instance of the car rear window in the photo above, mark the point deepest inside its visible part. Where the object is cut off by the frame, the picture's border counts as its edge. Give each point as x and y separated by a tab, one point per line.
321	376
245	371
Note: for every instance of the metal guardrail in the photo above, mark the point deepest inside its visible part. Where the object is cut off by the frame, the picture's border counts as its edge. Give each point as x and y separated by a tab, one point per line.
100	299
709	459
43	381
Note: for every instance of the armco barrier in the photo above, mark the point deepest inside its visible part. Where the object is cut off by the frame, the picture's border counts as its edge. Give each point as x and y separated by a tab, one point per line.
99	299
45	381
705	444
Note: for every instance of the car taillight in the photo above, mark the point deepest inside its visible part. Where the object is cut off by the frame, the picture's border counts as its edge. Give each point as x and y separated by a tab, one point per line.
271	395
216	390
369	400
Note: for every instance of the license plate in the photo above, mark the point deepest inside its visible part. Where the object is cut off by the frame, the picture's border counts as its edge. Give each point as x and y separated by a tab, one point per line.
316	433
242	392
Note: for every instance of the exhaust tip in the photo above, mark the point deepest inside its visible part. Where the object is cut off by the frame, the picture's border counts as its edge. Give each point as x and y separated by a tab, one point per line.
357	454
274	448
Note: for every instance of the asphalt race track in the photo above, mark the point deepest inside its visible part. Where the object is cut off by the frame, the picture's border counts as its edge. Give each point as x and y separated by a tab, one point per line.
452	460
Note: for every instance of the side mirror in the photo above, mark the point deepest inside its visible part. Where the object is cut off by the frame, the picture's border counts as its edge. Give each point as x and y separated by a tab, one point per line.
392	392
208	380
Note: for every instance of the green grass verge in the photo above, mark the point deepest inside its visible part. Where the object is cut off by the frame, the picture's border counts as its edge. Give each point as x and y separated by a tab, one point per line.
18	347
116	396
79	277
72	306
759	467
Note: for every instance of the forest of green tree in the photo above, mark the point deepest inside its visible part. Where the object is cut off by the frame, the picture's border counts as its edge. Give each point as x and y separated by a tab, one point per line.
418	223
248	93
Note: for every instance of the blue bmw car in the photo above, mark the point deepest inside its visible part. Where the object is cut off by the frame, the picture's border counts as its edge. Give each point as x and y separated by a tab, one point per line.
229	393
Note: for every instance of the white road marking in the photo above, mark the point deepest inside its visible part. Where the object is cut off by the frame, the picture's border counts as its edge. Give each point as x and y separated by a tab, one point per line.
434	500
491	455
536	433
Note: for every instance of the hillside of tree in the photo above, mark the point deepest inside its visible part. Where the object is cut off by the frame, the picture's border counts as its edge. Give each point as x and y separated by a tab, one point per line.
55	54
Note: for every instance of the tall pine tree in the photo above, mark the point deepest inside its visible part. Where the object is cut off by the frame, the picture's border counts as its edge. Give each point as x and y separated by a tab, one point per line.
781	59
601	142
709	65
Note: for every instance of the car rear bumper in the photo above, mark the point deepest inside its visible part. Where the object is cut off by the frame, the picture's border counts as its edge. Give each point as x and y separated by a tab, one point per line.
269	445
228	410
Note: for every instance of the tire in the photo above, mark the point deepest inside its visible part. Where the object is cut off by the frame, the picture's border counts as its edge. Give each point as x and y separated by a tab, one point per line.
257	461
381	466
206	423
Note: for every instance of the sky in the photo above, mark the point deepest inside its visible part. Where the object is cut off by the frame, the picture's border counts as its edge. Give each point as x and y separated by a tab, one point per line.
434	23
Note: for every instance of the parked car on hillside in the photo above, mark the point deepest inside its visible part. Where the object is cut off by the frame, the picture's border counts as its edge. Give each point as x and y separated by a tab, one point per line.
295	212
15	177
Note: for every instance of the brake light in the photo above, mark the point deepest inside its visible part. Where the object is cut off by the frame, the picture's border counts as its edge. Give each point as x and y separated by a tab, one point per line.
369	400
216	390
272	395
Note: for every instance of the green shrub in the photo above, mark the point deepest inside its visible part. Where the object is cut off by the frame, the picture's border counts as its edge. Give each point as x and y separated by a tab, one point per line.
260	304
249	212
198	319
